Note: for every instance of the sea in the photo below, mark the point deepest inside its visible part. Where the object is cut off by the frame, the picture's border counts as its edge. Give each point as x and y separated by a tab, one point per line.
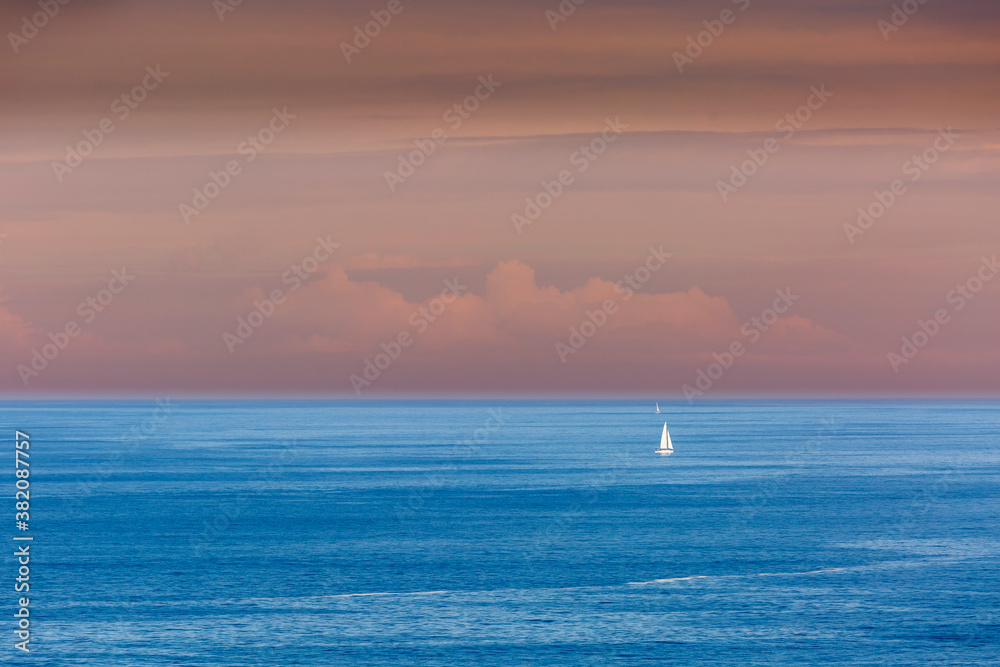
506	532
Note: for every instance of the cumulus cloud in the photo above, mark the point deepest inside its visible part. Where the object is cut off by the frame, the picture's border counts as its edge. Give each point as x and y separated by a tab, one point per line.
502	335
513	318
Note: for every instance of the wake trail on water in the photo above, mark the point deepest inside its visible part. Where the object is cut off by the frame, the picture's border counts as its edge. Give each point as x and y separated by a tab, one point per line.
565	588
733	576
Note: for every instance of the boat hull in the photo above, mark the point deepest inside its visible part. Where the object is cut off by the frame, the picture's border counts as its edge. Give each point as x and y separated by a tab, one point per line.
664	452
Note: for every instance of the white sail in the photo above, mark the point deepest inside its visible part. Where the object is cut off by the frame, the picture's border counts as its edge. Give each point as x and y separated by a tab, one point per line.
657	408
666	446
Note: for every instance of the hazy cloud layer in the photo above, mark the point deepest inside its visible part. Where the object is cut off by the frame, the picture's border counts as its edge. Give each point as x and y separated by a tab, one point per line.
658	183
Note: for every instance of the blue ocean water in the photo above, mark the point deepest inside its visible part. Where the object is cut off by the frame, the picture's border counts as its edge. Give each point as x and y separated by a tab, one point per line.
511	533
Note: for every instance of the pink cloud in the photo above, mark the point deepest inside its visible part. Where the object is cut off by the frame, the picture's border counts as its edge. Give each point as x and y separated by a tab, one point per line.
501	336
515	318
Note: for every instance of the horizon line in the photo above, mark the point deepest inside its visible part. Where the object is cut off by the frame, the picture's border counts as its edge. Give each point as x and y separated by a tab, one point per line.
499	396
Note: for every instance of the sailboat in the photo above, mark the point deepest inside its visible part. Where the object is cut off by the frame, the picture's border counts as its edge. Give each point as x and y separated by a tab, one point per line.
657	408
666	447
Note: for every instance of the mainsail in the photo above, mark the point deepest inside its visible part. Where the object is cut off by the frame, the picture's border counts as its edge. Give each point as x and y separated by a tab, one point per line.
666	446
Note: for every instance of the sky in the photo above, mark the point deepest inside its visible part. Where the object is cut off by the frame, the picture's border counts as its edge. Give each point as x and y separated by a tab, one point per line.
663	199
